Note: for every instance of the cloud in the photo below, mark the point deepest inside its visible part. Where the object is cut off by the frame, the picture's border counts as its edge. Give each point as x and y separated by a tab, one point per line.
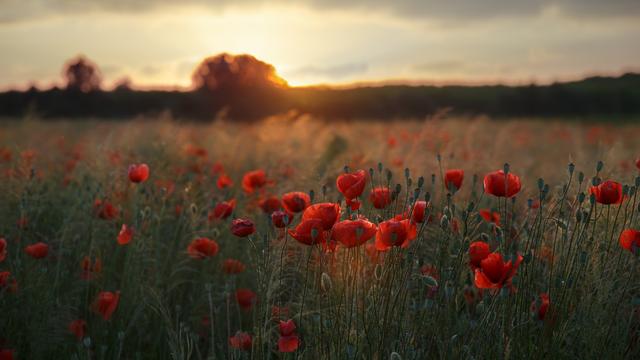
19	10
437	66
339	71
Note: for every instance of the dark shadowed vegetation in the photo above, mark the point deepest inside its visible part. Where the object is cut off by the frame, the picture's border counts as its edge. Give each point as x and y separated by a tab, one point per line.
244	88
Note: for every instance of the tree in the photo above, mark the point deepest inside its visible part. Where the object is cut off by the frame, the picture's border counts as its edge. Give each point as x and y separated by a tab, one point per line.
81	74
230	73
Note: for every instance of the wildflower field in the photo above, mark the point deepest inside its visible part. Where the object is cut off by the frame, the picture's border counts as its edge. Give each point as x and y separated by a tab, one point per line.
289	238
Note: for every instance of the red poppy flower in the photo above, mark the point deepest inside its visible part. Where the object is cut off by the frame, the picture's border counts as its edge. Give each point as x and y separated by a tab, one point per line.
38	250
270	204
430	270
287	327
241	341
380	197
202	248
419	210
490	216
288	341
125	235
541	306
277	311
478	251
353	233
494	272
295	202
328	213
453	179
233	266
3	249
245	298
281	219
224	182
630	240
501	185
309	232
254	180
138	173
222	210
608	192
242	227
105	210
106	303
89	270
638	163
6	354
196	151
351	185
78	328
395	232
4	278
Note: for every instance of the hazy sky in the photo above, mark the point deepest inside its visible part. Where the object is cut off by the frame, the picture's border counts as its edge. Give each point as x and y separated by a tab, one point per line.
156	42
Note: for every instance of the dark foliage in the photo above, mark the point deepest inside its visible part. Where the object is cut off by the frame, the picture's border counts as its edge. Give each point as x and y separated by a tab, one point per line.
593	96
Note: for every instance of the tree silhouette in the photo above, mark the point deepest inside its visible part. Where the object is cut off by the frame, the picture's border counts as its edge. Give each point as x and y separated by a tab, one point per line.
230	73
81	74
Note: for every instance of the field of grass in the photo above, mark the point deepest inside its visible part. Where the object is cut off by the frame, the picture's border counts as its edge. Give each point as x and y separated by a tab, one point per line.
96	266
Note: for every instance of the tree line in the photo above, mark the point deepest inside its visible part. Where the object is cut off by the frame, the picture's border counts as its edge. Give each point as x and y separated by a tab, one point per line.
242	87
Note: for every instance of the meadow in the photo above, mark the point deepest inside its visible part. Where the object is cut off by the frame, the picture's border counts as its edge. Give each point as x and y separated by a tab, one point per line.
297	238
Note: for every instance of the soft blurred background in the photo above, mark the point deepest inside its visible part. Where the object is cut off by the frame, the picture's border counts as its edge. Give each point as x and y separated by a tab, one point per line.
331	59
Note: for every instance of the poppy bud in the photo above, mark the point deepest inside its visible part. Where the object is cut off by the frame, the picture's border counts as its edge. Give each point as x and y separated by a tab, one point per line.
599	166
580	176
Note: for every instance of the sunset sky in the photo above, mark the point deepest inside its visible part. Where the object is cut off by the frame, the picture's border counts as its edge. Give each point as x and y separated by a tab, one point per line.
157	43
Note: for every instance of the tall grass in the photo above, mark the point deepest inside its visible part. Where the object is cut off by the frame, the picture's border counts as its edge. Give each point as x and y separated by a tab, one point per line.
358	303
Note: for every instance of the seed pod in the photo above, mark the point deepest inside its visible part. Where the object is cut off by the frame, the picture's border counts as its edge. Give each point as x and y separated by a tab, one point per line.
444	222
571	168
581	197
580	176
420	181
599	166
